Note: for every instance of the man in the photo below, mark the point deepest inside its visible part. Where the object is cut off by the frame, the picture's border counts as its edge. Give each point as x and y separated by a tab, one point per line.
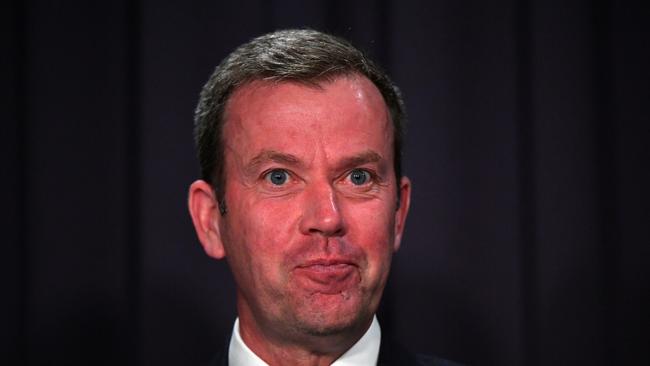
299	139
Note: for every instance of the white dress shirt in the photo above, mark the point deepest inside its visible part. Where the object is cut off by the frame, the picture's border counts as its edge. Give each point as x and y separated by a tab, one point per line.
364	352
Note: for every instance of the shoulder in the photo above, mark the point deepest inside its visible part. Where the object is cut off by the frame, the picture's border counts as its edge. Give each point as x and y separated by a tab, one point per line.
426	360
392	353
220	358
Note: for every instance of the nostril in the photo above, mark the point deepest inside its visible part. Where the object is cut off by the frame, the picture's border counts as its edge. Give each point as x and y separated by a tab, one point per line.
327	227
326	223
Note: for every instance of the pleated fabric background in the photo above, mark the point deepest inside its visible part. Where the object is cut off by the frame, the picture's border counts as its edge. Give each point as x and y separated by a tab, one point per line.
528	241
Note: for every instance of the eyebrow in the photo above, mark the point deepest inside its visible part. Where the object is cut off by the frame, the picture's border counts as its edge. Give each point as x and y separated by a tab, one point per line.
271	156
365	157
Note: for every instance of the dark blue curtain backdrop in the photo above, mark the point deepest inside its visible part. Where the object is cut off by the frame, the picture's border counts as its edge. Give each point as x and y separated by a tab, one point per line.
528	240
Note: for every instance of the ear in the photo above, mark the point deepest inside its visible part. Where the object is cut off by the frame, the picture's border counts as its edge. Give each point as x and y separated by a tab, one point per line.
204	210
402	210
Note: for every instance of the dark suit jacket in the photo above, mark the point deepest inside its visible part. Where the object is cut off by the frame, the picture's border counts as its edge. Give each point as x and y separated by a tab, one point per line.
390	354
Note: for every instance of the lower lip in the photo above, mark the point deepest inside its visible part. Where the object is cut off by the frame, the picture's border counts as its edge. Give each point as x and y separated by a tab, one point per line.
327	279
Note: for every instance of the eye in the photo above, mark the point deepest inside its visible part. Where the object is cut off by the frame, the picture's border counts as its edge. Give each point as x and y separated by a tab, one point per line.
277	176
359	177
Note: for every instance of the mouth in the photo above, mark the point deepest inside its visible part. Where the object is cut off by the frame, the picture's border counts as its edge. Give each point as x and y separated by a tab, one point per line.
327	276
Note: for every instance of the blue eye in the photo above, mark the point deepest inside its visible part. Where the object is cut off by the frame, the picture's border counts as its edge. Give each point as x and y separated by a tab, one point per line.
277	177
359	177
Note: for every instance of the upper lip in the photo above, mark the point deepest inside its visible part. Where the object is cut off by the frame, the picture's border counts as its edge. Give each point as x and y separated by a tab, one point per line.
326	262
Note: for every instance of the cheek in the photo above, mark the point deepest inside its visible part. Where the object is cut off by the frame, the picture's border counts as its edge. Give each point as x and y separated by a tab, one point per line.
372	228
271	225
259	234
375	218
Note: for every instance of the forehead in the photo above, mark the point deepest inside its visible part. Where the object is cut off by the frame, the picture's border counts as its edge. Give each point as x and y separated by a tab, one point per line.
289	116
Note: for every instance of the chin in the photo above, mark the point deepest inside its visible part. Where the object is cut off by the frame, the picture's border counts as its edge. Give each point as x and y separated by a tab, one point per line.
327	315
328	328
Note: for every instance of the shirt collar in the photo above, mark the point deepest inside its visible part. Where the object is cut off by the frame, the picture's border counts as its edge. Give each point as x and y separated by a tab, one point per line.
364	352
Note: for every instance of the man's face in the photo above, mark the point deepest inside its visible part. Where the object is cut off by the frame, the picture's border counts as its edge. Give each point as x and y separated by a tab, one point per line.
312	219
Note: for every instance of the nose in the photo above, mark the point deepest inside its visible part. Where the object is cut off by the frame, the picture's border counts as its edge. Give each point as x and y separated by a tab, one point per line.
321	212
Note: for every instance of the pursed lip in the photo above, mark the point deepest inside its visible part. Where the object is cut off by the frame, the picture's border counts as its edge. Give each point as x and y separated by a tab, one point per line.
327	275
326	262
